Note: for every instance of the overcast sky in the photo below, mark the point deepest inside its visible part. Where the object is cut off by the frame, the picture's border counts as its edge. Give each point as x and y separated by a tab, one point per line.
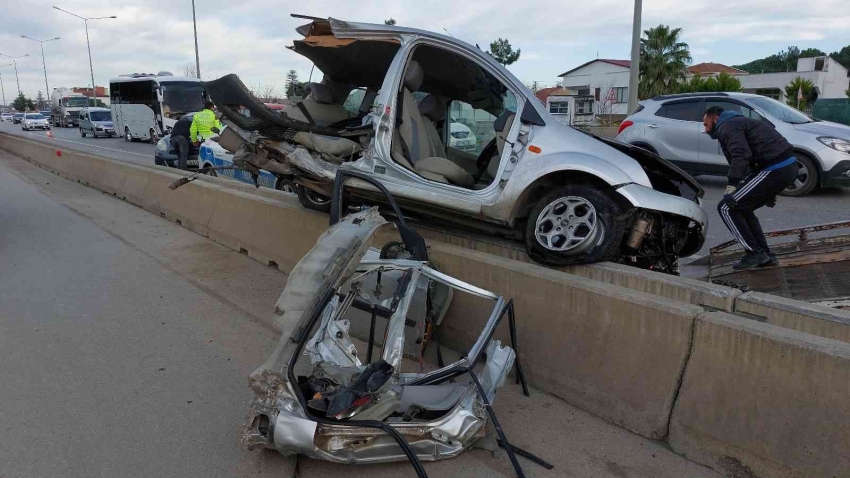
249	37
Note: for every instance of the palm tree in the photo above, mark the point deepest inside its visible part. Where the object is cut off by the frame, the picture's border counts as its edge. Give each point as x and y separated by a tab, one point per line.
663	61
797	87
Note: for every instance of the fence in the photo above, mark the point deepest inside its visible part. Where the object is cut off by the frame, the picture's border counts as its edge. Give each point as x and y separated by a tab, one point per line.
836	110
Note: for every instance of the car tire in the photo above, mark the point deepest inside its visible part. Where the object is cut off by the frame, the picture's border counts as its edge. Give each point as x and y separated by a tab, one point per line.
82	133
127	136
152	136
581	224
287	186
807	177
209	172
313	200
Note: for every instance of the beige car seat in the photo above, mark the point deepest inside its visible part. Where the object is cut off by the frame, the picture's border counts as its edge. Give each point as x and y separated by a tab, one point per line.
433	110
320	105
412	145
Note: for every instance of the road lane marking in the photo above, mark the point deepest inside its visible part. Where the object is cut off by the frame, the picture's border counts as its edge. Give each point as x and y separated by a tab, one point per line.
86	144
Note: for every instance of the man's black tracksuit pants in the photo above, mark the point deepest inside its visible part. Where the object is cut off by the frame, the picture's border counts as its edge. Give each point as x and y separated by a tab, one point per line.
754	192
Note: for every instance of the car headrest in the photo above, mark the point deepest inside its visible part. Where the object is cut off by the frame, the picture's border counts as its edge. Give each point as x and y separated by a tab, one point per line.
432	108
502	121
320	93
413	76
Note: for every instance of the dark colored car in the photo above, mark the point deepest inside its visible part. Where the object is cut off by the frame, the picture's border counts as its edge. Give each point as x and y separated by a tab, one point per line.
165	154
17	118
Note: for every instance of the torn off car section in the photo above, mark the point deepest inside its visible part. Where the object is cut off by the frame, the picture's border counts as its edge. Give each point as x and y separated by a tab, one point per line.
348	381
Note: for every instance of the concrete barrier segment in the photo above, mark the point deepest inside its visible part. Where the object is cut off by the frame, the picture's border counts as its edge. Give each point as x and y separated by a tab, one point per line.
616	352
758	400
796	315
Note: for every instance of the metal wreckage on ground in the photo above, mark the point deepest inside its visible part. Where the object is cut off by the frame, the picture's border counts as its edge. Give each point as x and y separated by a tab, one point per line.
347	383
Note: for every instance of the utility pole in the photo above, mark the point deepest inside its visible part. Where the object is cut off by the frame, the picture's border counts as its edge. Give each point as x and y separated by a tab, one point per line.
195	26
43	64
3	90
15	63
88	44
634	69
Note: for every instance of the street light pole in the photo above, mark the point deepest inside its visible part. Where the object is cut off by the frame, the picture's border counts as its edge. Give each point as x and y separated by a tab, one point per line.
15	62
88	44
197	58
634	67
43	63
3	90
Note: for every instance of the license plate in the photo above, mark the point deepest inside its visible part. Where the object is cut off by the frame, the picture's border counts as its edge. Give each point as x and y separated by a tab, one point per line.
192	162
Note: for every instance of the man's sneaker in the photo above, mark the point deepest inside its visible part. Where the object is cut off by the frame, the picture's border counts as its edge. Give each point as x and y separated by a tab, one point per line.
752	259
773	260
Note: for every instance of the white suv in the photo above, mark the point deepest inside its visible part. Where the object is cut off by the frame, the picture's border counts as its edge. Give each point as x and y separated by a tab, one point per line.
671	126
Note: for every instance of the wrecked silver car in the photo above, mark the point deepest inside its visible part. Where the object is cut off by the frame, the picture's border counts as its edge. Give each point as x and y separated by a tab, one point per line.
348	381
456	138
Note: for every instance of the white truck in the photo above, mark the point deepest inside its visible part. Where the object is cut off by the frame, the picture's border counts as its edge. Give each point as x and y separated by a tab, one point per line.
66	106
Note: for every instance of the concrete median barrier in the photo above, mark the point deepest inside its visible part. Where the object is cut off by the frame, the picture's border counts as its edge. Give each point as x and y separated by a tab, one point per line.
765	400
663	285
615	352
797	315
613	340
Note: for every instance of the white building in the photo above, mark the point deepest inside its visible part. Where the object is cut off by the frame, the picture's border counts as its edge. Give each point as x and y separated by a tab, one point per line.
828	76
594	92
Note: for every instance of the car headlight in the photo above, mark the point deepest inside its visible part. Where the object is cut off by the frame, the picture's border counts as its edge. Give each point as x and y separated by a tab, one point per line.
837	144
161	145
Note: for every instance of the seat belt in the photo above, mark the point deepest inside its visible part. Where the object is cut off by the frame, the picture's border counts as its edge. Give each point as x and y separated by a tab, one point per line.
306	113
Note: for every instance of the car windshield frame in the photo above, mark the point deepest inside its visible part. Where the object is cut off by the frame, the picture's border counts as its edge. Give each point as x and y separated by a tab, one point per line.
98	116
77	102
782	112
35	116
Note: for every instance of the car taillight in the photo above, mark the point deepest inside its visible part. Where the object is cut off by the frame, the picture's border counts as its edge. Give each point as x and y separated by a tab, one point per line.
624	125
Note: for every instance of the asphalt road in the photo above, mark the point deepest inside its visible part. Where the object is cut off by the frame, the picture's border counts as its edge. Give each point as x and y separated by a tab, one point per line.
116	148
828	205
127	341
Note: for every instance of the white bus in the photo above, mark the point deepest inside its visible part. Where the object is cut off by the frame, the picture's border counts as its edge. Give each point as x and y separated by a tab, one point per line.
146	106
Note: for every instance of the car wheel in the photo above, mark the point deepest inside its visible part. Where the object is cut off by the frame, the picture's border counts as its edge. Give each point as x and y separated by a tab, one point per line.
574	225
210	172
152	136
313	200
807	178
82	133
286	186
127	136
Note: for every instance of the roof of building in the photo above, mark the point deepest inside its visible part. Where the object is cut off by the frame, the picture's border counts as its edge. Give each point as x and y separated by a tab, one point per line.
708	68
544	93
621	63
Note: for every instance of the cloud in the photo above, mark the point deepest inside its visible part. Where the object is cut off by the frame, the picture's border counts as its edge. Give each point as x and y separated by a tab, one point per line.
250	37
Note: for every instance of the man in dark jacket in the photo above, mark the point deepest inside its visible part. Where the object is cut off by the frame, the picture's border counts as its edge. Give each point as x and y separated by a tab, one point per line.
180	140
761	165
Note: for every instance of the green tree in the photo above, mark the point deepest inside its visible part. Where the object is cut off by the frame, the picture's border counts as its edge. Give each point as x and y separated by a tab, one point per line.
785	60
391	21
694	85
663	61
842	56
794	89
291	82
725	82
39	100
502	51
21	103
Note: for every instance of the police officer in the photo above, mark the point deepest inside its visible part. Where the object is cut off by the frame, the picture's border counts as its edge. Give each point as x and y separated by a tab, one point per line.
180	140
204	124
761	165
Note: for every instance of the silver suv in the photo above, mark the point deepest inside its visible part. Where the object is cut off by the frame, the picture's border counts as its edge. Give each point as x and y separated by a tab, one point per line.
671	126
572	197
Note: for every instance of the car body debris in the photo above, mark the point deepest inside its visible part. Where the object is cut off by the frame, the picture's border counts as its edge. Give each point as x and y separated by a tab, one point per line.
348	382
